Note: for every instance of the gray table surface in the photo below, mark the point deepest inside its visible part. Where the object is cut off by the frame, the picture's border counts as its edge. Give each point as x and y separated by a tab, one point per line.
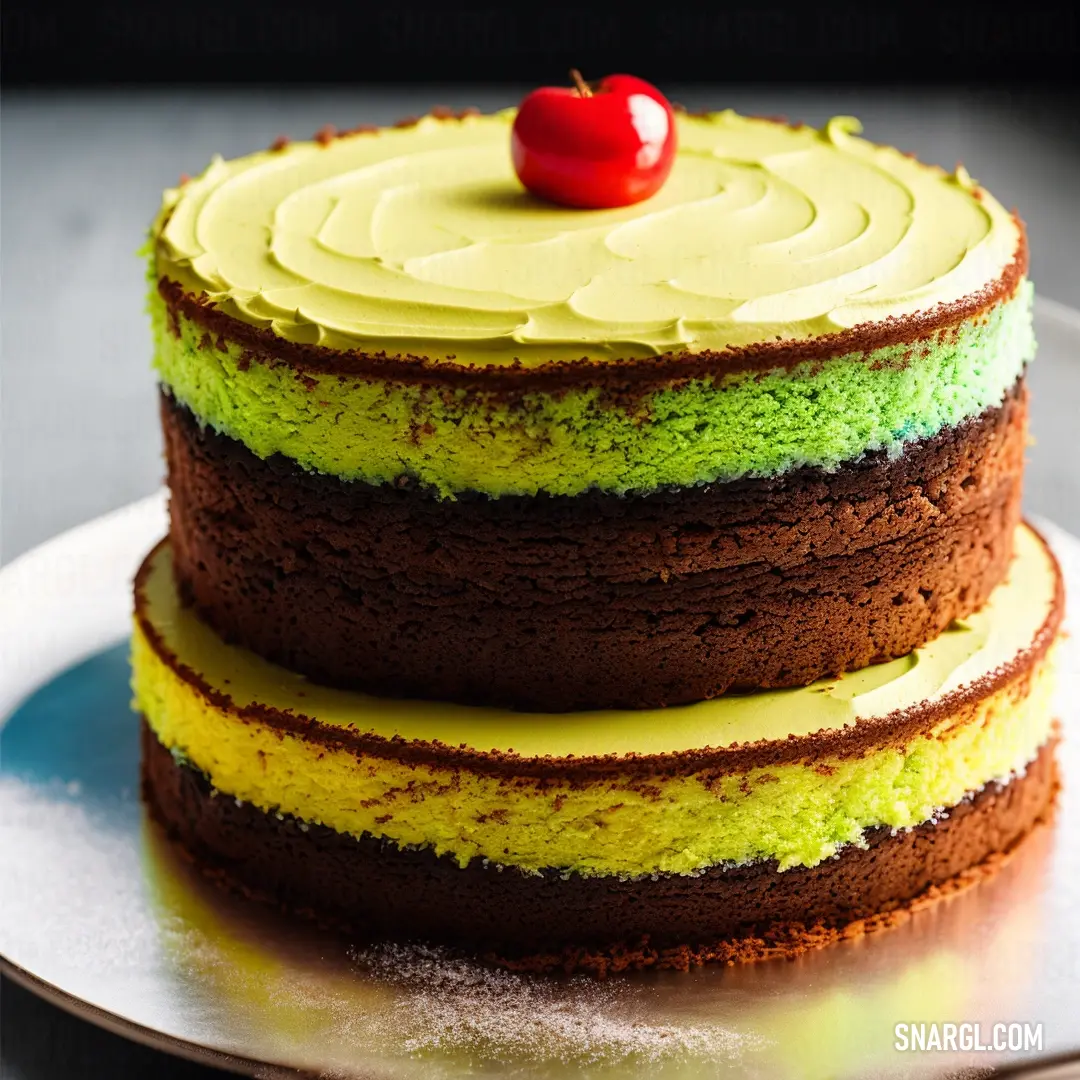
81	177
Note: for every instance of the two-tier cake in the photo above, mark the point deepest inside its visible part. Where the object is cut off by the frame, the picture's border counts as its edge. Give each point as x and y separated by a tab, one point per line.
591	588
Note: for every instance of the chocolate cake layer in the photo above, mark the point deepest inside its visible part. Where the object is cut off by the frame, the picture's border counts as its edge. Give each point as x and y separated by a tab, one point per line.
594	601
598	600
374	888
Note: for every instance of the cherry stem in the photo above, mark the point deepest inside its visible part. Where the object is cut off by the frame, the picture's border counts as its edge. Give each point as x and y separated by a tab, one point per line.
582	86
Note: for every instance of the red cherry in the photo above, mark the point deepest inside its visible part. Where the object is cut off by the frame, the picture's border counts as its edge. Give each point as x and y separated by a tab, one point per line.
610	145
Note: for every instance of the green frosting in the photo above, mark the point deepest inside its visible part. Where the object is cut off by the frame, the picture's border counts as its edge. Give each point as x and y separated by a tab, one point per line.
747	424
421	240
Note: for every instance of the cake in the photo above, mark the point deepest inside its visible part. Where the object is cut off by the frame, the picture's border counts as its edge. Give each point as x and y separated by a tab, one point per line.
594	588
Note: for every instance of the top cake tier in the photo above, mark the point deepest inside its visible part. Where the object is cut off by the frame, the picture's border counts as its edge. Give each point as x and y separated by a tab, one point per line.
430	436
757	315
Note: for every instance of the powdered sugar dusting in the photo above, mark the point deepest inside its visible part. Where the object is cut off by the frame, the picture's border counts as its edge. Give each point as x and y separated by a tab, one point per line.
48	841
449	1003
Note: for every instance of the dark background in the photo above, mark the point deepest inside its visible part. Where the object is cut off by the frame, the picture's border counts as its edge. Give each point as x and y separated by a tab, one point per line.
405	41
1008	69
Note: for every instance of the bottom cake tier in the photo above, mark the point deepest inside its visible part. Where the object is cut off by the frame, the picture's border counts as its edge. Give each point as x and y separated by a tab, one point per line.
735	829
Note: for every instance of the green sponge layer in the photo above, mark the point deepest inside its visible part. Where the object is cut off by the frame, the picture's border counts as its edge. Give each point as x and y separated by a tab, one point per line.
453	441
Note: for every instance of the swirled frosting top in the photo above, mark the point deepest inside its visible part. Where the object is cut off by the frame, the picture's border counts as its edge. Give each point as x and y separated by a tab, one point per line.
420	240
